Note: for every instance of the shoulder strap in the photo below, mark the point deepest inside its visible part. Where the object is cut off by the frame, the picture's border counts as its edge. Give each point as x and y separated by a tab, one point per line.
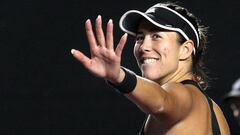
215	126
191	82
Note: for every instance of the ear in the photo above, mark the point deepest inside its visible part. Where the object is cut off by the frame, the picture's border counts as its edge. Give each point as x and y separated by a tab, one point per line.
186	50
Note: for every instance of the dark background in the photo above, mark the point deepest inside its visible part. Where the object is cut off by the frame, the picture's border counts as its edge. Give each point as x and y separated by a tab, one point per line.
45	91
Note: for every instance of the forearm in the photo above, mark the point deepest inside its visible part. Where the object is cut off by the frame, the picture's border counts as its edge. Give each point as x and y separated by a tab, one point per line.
148	96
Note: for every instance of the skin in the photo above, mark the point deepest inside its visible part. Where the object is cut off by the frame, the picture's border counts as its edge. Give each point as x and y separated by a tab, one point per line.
173	108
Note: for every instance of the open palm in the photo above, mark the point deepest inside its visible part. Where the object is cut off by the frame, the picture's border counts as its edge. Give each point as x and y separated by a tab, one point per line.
104	61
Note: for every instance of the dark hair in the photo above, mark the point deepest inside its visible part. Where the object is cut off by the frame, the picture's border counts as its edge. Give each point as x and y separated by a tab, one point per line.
197	59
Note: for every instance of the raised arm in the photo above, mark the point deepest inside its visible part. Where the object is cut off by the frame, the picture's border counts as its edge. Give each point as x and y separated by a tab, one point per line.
164	102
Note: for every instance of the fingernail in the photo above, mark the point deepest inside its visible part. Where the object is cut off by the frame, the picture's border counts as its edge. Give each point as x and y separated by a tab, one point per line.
73	51
99	17
88	20
125	35
110	21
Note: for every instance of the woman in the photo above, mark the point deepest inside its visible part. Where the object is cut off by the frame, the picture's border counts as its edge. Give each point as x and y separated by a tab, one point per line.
169	46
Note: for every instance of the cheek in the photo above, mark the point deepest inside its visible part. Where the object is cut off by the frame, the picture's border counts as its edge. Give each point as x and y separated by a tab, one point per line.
169	57
169	53
164	51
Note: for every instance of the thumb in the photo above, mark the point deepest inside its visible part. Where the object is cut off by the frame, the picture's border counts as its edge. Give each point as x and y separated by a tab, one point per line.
81	57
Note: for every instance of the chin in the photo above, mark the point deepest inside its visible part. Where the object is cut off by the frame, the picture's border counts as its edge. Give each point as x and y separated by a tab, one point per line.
150	75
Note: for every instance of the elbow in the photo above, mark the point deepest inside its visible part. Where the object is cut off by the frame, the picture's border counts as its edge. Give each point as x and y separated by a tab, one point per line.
161	107
162	114
158	110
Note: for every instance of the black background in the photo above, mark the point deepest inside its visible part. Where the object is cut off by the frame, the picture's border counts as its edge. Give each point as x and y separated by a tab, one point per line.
45	91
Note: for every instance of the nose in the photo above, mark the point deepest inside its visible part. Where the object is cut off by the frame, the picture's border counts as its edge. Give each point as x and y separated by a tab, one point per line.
145	46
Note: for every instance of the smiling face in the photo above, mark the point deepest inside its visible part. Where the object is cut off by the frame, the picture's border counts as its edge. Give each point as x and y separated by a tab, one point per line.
157	52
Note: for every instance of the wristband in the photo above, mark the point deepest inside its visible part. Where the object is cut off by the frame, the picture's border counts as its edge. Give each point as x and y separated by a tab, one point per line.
128	84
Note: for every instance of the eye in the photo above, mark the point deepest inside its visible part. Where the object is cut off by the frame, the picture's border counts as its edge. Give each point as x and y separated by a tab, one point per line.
156	36
139	38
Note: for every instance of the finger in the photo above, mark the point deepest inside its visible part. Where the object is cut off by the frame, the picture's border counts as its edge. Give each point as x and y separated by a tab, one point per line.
99	32
109	36
90	36
82	58
121	45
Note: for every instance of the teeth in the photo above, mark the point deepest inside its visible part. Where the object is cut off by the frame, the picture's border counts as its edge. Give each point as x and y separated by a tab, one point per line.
147	61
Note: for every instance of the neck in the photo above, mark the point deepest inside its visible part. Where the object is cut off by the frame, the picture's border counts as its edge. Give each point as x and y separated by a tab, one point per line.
182	73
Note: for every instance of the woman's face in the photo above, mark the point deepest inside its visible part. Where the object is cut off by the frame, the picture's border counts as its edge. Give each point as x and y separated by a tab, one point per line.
156	51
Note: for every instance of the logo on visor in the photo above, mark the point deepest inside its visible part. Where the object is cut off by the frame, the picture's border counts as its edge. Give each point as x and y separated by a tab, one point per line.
167	25
151	10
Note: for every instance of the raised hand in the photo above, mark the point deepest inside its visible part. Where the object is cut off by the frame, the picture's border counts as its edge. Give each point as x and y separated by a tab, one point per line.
104	61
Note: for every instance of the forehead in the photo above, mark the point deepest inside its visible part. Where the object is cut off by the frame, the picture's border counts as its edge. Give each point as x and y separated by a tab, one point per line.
146	26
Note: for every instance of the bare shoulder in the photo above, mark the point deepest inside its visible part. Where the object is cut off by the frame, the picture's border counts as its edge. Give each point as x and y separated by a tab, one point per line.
185	91
191	99
184	96
175	87
224	128
179	92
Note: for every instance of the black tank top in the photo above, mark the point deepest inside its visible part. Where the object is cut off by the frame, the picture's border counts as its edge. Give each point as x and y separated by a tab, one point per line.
215	126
